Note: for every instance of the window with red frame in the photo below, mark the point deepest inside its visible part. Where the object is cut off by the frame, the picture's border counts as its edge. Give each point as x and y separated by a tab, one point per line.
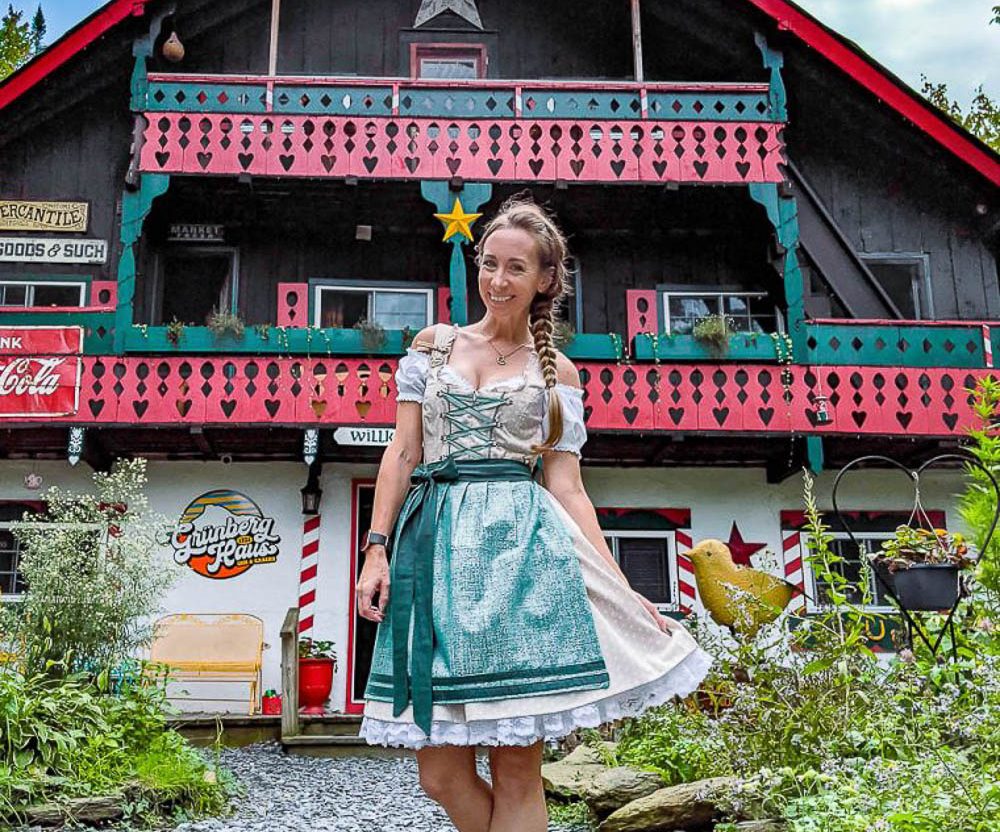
447	61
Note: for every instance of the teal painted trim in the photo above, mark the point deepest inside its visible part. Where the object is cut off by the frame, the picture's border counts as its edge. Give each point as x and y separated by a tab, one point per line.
165	96
138	85
306	341
135	206
783	215
336	101
317	342
814	454
774	61
594	346
753	348
454	103
98	327
885	345
704	106
473	196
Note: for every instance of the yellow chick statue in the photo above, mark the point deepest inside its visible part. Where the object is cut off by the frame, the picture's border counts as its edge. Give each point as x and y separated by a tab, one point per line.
716	574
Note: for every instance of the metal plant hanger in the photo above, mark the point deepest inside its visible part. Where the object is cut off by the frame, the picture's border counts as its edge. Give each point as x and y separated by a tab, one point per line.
919	515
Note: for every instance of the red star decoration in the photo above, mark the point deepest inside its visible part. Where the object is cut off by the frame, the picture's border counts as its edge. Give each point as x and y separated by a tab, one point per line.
741	550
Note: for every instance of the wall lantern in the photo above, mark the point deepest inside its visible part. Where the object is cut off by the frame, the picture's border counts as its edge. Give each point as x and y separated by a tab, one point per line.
311	492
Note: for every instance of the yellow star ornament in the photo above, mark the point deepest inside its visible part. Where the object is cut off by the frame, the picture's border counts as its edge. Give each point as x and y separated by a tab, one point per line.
458	222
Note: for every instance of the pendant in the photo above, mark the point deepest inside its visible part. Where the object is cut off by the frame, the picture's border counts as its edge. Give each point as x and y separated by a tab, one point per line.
501	360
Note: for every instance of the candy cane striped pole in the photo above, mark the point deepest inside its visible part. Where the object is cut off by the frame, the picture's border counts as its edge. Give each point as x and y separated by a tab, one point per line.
987	345
791	545
307	574
685	572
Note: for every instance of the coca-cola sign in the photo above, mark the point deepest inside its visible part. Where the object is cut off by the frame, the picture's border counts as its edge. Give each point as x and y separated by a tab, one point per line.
39	370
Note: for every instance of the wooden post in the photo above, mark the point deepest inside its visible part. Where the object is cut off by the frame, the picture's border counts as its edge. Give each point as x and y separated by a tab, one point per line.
637	41
272	63
290	674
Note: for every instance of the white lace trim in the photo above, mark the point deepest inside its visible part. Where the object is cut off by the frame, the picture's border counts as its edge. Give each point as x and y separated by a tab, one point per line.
680	680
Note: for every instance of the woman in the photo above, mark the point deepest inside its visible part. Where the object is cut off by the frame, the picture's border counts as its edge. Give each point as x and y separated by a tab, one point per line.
510	621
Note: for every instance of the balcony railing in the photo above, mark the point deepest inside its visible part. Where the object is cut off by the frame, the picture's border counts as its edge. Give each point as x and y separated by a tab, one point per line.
489	131
747	398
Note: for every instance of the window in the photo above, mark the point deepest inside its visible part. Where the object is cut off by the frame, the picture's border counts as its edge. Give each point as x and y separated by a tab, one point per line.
447	61
645	558
41	294
850	568
393	307
906	280
12	583
748	311
194	280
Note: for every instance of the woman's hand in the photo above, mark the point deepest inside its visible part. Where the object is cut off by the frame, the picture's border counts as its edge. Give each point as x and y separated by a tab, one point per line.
374	578
662	621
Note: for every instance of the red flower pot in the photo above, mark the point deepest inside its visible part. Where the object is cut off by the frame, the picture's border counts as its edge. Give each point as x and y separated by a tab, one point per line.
315	682
270	705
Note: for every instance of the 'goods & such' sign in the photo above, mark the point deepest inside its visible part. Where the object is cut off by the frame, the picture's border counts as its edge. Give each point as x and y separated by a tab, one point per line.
53	250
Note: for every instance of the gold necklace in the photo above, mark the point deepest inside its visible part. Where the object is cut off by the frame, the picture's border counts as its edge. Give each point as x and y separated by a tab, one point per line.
501	358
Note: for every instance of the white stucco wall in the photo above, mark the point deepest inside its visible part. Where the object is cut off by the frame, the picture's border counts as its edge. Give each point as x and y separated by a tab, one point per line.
715	496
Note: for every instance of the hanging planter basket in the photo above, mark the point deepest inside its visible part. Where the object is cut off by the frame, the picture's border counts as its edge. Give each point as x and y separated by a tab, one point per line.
920	568
927	586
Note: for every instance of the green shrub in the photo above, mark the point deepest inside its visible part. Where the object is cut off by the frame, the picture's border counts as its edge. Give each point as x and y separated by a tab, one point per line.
69	736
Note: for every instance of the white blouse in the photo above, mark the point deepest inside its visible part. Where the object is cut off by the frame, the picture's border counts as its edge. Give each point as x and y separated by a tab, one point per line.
411	379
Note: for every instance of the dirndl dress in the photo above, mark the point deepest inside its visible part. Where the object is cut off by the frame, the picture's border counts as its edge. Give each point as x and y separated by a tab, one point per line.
504	625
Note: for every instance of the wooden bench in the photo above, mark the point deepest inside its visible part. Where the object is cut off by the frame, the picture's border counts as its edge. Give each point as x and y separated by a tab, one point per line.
212	648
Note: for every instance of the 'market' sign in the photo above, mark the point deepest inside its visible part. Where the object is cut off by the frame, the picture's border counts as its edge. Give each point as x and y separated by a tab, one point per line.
40	370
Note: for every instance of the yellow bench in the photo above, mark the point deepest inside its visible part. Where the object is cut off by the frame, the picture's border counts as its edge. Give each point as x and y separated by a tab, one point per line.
212	648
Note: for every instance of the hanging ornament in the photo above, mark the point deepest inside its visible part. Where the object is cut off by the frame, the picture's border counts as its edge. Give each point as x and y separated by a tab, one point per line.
173	49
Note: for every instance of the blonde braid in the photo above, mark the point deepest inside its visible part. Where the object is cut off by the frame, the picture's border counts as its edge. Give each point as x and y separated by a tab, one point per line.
541	332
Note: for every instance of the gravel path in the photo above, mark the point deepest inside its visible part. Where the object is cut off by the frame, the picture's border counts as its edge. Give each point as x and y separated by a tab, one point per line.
339	794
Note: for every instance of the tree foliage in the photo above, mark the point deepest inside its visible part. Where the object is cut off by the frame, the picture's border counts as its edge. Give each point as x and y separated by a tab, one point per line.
19	39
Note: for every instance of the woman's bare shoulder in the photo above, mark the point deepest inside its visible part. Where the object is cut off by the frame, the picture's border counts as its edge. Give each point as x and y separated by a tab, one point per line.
423	341
566	371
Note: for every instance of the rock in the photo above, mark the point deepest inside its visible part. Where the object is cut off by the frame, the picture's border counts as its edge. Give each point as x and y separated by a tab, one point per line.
681	807
566	777
614	787
772	825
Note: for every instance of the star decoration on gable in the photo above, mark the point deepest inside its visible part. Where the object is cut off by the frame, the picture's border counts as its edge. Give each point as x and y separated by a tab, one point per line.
465	9
740	549
458	222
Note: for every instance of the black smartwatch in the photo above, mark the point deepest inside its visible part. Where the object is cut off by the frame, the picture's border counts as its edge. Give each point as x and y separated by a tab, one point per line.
371	537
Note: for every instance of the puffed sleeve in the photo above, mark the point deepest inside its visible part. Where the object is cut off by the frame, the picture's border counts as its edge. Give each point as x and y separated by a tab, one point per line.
411	376
574	429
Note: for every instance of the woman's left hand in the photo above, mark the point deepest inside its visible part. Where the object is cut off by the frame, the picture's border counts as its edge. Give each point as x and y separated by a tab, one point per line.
661	621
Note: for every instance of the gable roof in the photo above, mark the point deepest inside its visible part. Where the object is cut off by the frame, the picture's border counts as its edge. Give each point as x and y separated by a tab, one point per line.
72	42
787	15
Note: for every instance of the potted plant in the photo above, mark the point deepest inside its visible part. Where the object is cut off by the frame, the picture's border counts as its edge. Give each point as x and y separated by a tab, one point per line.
221	321
317	662
713	331
372	335
270	702
922	566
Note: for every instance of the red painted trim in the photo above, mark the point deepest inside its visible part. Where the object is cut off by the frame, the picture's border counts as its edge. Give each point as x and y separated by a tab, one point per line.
881	83
418	50
351	705
72	43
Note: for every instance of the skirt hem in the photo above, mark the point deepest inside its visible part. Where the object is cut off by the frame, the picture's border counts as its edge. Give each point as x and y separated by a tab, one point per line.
680	680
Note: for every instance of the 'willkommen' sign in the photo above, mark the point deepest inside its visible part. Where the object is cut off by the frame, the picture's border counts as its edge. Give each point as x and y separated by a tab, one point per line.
40	370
